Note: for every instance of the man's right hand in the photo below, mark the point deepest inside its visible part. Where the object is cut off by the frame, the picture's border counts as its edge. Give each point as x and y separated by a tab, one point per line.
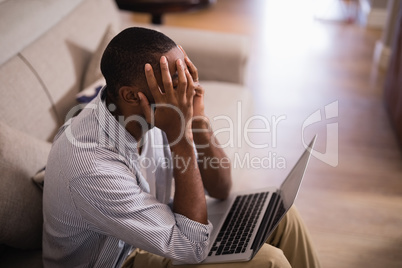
173	115
174	107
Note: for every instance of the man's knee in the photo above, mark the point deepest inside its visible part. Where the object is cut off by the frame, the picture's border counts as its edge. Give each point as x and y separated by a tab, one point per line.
289	224
269	256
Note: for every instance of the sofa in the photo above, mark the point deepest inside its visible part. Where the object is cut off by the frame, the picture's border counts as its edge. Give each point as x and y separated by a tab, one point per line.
49	52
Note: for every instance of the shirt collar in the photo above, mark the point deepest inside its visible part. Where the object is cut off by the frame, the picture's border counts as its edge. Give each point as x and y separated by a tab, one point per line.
116	134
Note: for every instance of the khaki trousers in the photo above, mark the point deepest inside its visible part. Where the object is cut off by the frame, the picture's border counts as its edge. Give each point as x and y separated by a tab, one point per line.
288	246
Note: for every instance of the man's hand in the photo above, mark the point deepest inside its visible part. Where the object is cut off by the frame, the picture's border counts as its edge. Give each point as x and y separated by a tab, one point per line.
198	103
173	115
174	108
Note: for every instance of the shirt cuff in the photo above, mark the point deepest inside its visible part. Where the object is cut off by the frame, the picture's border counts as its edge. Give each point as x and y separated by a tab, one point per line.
194	231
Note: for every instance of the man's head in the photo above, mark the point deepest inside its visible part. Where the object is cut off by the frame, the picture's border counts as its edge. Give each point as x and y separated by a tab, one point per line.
125	56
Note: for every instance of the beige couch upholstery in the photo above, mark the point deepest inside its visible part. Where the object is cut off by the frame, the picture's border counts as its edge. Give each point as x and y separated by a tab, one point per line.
47	49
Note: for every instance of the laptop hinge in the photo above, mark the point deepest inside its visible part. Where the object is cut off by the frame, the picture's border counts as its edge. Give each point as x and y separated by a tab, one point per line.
260	237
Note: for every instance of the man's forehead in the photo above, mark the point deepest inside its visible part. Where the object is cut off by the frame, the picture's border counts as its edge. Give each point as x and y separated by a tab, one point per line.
173	55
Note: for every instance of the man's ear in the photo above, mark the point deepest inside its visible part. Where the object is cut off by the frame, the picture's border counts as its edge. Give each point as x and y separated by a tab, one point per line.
129	95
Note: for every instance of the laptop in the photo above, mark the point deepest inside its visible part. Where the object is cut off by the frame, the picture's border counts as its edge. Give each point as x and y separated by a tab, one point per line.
243	222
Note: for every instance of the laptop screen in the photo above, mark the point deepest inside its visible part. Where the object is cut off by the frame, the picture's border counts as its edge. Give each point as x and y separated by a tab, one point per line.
284	199
290	186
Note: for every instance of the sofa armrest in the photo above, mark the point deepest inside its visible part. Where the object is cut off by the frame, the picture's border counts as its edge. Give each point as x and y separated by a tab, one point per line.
218	56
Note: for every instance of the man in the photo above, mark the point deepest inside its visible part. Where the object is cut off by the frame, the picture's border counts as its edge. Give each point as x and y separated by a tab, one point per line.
109	173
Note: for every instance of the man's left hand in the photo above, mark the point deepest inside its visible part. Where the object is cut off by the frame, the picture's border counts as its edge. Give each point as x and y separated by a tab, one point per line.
198	103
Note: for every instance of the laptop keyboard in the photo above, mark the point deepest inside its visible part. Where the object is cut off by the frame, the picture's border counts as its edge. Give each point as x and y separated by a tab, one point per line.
234	236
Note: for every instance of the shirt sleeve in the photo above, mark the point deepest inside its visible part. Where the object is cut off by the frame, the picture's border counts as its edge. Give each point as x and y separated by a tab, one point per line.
111	202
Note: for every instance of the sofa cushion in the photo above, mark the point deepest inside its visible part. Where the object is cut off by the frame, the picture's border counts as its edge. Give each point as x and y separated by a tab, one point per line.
24	104
93	72
39	178
228	106
231	110
60	56
21	156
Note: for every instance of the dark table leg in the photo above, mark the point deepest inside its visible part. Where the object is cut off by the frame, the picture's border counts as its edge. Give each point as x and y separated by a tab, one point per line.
157	19
157	7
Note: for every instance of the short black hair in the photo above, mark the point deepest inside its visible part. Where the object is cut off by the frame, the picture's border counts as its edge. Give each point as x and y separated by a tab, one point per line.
124	58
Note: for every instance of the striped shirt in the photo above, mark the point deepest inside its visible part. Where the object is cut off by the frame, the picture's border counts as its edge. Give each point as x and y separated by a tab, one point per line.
102	199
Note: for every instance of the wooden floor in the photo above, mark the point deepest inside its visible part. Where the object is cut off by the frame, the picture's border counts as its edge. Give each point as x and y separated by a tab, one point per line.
298	66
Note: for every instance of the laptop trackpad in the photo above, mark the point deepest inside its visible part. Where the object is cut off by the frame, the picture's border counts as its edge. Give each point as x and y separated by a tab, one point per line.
215	218
216	211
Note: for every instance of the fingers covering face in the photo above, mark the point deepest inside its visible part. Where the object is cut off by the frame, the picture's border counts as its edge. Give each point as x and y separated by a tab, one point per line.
193	70
191	86
166	78
182	85
185	86
152	83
